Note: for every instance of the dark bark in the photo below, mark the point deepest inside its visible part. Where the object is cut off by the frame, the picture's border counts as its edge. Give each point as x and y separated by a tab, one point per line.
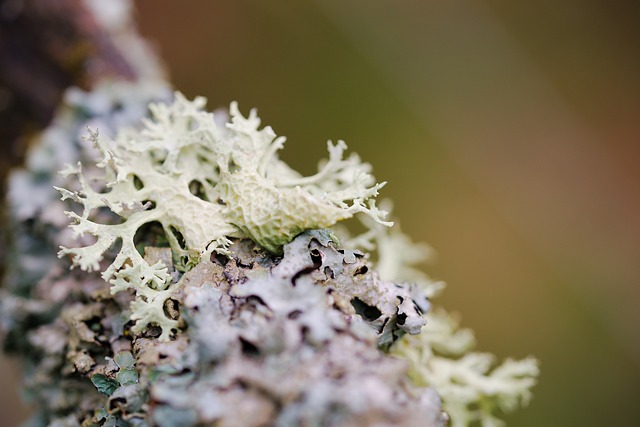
45	47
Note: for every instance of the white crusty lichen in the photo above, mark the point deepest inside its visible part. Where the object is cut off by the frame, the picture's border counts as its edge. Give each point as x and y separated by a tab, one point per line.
205	182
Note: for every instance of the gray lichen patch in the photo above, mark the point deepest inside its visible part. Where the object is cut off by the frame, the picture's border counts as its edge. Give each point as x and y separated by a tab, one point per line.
266	341
276	344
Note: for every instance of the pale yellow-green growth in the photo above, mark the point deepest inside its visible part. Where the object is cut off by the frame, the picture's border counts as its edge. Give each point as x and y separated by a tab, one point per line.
472	388
205	182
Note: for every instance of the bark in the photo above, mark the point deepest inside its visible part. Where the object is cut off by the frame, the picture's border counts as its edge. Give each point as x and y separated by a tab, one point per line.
45	47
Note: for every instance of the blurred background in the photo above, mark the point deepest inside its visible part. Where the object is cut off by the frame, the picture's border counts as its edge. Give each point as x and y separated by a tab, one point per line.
509	134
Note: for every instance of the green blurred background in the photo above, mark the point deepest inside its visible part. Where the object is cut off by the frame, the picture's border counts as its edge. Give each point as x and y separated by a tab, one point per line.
508	132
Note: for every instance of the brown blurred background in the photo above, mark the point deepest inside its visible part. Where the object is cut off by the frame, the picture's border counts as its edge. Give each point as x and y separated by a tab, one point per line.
509	134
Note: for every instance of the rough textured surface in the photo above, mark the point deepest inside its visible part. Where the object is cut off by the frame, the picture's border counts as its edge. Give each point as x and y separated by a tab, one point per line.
268	341
214	312
205	181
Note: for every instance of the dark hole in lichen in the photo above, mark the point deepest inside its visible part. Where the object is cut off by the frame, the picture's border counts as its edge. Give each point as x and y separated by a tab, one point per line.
361	270
171	309
248	348
329	273
316	258
368	312
137	182
150	234
113	251
178	235
153	331
401	319
219	259
197	189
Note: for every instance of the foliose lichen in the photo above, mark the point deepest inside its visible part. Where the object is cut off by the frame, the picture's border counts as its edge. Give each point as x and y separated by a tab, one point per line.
205	184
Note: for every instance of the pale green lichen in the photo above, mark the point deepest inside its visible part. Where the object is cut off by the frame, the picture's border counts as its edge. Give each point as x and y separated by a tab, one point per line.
473	389
205	183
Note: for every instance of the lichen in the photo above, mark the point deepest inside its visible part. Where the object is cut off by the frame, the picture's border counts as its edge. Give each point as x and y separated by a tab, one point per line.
198	227
205	184
473	388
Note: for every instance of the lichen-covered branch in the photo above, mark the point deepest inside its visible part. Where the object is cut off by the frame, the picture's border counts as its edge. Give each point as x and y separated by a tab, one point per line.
157	174
211	288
